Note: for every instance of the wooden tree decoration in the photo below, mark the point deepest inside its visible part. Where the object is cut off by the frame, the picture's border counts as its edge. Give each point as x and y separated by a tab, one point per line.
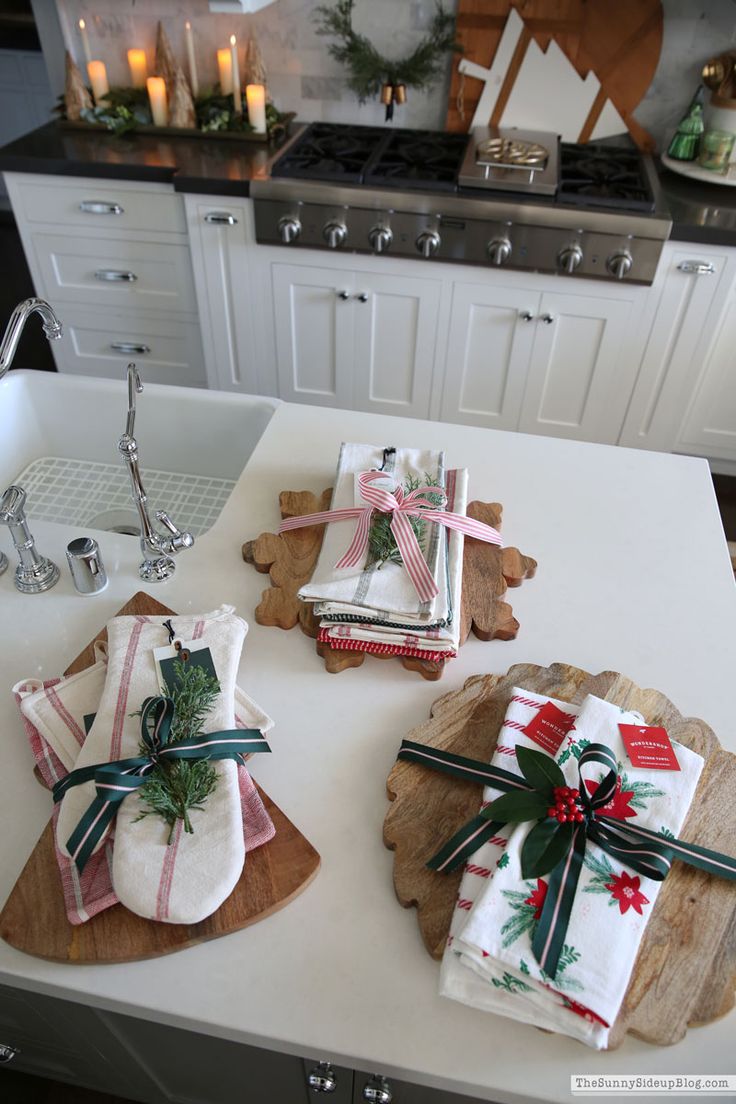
181	104
166	64
255	70
76	97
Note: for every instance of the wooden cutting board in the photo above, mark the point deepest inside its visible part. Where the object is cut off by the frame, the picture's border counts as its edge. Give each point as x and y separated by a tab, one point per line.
619	42
289	559
34	919
685	973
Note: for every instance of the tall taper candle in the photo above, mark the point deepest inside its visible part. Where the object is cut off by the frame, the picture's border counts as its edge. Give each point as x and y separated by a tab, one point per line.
85	41
156	87
193	80
225	65
237	90
138	67
98	79
255	95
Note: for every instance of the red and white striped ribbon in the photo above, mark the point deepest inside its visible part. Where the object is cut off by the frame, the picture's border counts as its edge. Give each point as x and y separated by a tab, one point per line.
401	507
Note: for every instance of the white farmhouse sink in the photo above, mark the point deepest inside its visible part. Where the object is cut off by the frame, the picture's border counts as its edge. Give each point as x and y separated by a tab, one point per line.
59	435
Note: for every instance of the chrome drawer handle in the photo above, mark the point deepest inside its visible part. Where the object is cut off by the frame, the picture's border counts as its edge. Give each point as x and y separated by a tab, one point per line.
220	218
322	1078
548	318
698	268
130	347
99	207
114	276
7	1053
525	316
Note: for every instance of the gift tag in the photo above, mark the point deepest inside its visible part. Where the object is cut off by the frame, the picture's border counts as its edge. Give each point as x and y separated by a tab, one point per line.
649	746
193	652
549	728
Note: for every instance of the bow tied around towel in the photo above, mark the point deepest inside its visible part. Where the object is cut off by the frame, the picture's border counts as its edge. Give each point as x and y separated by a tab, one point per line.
555	846
117	780
401	506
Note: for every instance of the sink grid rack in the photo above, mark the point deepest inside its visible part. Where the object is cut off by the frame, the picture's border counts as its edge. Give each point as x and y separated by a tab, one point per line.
80	492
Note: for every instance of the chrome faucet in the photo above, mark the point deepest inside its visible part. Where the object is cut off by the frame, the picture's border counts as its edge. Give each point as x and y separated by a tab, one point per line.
34	573
51	327
158	548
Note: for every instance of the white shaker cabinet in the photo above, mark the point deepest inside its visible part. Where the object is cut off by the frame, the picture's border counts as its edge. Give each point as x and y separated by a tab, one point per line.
358	339
525	355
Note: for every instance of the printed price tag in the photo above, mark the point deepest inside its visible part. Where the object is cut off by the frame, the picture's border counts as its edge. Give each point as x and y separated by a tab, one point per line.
649	746
193	652
549	728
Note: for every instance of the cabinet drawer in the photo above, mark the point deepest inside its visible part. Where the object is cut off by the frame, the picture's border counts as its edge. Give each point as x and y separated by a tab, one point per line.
115	273
101	344
100	205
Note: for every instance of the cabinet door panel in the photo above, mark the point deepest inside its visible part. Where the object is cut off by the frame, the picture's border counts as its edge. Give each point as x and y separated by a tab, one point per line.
314	336
488	352
571	389
710	425
395	330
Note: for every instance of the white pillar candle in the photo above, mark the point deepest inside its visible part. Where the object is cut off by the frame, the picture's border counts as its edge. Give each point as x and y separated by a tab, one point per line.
98	79
255	95
157	95
138	68
237	91
85	41
225	65
192	61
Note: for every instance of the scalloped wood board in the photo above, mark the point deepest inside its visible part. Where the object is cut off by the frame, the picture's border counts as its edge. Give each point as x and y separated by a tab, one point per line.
289	560
685	973
34	918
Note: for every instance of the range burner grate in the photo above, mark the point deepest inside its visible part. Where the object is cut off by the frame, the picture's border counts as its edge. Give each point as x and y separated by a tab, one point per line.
411	159
328	151
604	176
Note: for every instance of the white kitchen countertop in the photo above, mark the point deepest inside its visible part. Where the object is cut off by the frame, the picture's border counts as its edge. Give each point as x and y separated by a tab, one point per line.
634	576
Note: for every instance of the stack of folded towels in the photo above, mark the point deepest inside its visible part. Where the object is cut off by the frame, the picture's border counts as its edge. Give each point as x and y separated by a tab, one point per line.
374	607
488	961
179	880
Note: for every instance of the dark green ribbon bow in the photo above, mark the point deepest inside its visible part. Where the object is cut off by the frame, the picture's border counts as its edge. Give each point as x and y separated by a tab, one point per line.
115	781
552	847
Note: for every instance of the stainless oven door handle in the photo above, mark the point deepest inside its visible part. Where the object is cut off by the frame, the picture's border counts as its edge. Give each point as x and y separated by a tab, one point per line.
115	276
130	347
697	268
99	207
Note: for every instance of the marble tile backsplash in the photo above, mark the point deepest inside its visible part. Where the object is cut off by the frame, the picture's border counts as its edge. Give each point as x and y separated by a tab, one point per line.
304	78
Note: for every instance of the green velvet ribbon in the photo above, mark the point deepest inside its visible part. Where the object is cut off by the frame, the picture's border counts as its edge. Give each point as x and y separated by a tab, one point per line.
553	848
117	780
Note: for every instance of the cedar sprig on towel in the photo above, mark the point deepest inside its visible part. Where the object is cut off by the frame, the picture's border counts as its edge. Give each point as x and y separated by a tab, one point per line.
174	789
382	547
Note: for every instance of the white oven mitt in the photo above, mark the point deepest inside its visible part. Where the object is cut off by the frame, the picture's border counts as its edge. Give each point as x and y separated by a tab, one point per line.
187	880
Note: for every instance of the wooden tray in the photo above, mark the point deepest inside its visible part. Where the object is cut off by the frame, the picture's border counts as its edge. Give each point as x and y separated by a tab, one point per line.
289	559
685	973
34	918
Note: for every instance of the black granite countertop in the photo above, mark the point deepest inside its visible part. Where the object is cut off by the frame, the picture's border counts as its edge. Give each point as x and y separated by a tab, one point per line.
700	212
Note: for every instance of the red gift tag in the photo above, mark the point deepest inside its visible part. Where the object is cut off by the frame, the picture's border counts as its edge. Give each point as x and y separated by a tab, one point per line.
549	728
649	746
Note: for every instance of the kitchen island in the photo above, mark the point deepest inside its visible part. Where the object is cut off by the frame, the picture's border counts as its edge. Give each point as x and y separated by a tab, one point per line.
634	576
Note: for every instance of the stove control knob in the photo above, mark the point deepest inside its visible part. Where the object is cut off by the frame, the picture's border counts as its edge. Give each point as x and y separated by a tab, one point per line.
289	229
380	238
619	264
569	257
499	251
428	243
335	233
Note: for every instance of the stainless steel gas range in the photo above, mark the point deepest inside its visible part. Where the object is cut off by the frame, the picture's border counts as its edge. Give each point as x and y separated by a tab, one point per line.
495	197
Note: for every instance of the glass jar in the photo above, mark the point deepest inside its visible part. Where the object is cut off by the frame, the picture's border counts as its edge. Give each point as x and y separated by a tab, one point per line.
715	150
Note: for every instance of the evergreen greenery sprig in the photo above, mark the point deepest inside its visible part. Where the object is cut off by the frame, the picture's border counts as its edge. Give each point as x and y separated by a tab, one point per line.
382	547
173	789
369	70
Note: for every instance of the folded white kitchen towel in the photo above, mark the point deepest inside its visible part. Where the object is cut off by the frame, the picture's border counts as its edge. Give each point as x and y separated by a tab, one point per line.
611	905
208	861
494	992
388	586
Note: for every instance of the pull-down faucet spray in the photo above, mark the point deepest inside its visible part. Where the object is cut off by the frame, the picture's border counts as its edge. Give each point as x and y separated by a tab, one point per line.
158	548
19	317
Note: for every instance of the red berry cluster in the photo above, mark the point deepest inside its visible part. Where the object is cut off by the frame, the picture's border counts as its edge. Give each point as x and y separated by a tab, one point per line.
566	806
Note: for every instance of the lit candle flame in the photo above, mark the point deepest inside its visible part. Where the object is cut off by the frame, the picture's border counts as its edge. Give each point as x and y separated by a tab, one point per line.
233	40
188	25
82	24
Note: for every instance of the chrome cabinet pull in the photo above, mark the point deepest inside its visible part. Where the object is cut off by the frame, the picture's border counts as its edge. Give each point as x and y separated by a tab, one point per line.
7	1053
697	268
99	207
362	297
525	316
343	295
220	218
115	276
377	1090
129	347
548	318
322	1078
